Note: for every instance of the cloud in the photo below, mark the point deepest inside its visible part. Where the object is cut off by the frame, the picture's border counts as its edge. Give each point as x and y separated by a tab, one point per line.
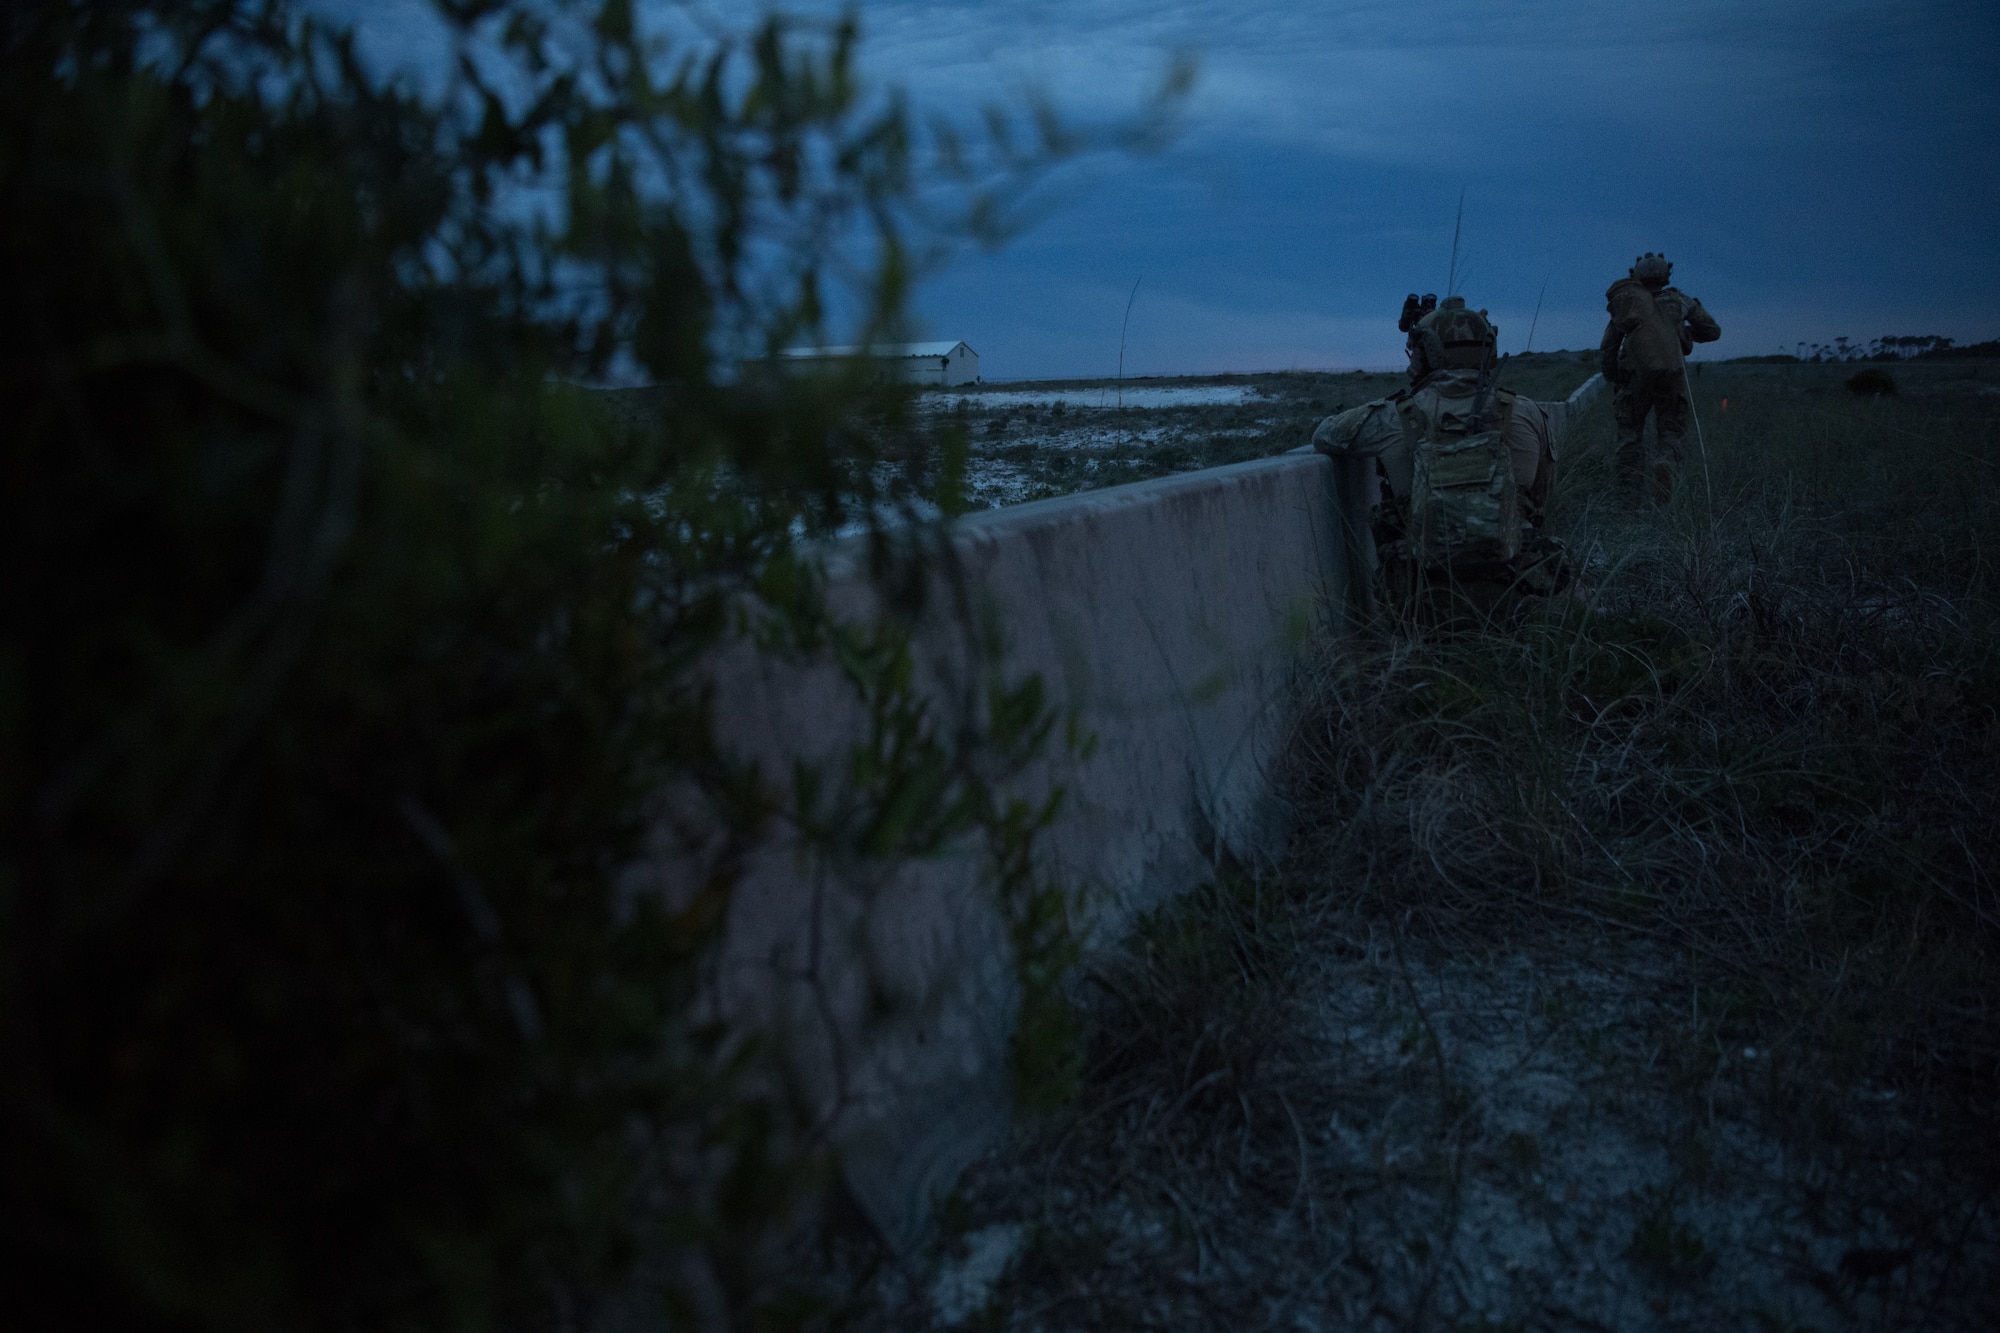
1388	79
1815	167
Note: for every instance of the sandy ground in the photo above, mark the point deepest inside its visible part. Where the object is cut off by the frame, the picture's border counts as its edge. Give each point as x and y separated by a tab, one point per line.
1543	1135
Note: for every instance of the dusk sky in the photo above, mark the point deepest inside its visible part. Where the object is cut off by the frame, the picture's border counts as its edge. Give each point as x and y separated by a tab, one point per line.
1813	168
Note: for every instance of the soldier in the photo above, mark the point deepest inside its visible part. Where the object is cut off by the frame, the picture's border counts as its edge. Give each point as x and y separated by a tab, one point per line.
1453	473
1653	327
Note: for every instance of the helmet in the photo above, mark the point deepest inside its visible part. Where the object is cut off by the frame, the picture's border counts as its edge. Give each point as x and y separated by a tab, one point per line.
1652	270
1455	338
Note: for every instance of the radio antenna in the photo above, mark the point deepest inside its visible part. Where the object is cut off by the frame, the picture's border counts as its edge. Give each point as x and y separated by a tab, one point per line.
1451	278
1121	339
1537	319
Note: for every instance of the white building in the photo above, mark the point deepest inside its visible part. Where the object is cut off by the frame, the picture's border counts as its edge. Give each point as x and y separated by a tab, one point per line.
942	363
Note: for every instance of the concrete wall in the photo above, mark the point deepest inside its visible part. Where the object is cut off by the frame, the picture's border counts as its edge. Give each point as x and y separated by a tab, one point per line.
1167	614
1564	414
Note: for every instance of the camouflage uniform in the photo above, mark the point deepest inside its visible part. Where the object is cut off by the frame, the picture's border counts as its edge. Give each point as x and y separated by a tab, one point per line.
1652	329
1446	371
1375	430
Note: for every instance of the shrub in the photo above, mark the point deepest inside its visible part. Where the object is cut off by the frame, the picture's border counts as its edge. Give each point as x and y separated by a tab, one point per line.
1871	384
350	645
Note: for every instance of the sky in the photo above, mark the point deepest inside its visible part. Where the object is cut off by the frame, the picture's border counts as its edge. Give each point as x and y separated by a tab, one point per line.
1814	168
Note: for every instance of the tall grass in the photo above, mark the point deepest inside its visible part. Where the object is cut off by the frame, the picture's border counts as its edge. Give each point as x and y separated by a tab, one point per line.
1765	730
1657	923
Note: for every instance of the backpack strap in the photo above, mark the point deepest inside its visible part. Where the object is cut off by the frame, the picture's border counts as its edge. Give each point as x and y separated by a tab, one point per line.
1414	426
1413	421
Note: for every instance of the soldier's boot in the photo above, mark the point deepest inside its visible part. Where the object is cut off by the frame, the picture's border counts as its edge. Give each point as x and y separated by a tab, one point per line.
1542	569
1663	481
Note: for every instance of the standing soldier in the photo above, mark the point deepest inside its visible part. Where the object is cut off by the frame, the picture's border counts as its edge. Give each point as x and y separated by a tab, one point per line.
1653	327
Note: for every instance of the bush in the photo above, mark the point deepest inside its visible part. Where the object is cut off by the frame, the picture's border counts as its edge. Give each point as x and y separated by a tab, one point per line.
1871	384
350	645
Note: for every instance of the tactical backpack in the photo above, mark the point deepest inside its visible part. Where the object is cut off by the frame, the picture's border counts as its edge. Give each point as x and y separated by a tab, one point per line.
1653	320
1465	507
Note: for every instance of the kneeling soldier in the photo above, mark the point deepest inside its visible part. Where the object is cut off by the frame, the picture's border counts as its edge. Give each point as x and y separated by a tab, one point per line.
1461	470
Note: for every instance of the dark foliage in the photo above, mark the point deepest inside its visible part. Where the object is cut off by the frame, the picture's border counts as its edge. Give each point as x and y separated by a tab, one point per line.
1982	351
348	643
1926	347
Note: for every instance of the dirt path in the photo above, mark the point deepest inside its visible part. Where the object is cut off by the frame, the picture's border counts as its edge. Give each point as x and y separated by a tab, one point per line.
1544	1135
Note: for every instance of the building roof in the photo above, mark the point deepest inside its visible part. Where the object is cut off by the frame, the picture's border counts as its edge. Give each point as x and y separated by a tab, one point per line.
878	349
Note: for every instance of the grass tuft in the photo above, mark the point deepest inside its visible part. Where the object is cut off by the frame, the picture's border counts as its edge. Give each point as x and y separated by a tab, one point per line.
1764	731
1871	383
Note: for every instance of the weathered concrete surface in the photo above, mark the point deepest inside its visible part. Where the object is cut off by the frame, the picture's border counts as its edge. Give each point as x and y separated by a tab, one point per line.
1167	615
1564	414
